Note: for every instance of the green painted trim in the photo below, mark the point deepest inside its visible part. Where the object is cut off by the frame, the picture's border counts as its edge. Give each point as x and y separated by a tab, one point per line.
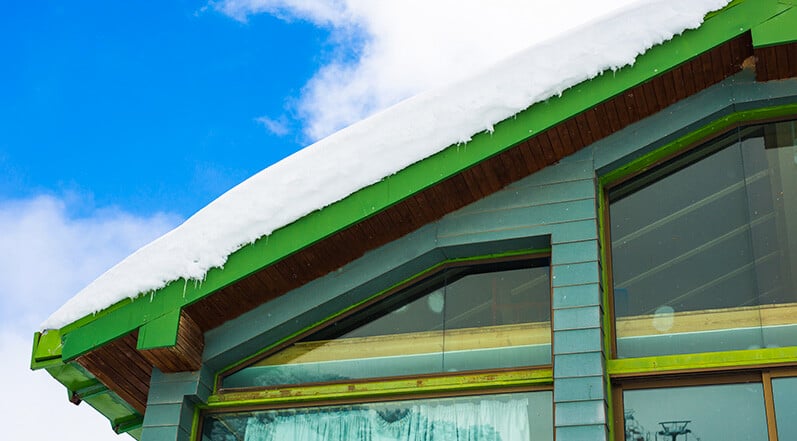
707	360
384	388
702	134
778	30
82	385
127	423
195	423
408	280
46	350
88	391
160	332
124	317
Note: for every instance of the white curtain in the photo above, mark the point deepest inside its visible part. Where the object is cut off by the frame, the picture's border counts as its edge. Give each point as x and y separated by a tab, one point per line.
486	420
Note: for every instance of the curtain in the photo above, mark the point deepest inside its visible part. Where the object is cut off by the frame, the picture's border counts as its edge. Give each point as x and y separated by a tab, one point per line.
486	420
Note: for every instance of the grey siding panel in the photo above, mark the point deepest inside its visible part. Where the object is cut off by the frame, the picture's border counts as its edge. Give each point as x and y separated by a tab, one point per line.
579	413
527	195
577	341
584	317
577	296
575	252
587	364
581	433
575	274
579	388
517	217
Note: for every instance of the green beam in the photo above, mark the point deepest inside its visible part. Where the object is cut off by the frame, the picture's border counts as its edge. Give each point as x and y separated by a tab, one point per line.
127	423
83	387
126	316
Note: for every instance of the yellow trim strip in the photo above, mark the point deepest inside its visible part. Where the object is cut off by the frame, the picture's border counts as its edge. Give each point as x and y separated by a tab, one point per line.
385	388
708	360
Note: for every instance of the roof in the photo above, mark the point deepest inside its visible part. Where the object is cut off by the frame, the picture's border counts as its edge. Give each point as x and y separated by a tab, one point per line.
393	173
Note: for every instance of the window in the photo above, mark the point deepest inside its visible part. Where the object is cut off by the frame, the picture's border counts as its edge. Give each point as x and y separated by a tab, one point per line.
672	413
506	417
753	405
463	318
704	248
703	258
462	352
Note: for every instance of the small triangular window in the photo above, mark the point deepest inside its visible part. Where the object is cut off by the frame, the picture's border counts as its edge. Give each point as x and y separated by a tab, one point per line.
463	317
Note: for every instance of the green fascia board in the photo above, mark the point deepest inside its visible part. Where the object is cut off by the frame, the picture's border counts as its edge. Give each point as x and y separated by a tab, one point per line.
707	360
780	29
126	316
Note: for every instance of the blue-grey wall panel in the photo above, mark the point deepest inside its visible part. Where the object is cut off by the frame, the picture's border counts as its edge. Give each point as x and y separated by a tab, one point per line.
579	388
587	364
577	341
577	318
579	413
577	296
581	433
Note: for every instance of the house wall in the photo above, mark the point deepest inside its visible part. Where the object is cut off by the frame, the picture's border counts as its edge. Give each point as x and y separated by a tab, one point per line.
556	207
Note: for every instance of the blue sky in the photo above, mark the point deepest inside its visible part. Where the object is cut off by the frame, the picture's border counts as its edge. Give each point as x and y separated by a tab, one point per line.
118	120
152	106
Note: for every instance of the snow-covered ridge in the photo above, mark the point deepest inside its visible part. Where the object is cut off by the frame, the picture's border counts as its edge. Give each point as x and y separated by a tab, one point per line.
366	152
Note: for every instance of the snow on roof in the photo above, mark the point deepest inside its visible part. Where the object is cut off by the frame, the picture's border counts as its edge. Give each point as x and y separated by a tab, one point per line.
381	145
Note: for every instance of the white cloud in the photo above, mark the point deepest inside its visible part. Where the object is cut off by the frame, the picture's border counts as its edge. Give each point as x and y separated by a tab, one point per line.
46	256
278	126
411	45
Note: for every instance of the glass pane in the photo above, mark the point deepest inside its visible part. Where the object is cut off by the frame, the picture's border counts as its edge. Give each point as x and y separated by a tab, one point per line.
465	318
702	246
784	392
694	413
511	417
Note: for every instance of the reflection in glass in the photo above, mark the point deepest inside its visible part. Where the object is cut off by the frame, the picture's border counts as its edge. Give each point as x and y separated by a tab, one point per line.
464	318
706	413
784	393
704	248
515	417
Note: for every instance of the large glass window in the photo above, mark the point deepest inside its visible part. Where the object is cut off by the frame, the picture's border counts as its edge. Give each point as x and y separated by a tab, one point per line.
704	248
709	413
463	318
784	392
508	417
